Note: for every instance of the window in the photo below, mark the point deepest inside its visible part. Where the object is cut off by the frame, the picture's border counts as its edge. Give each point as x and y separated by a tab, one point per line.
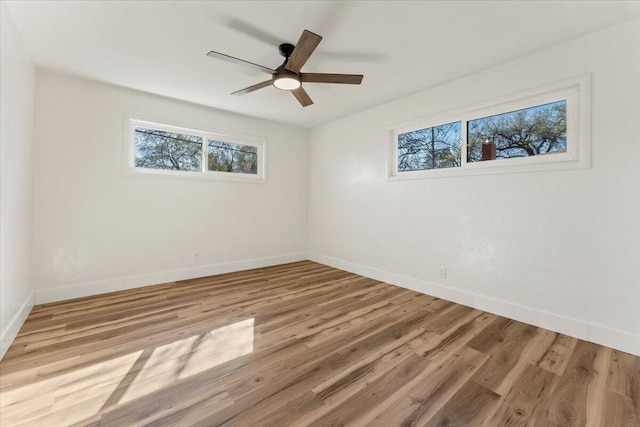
230	157
156	149
435	147
546	128
528	132
160	149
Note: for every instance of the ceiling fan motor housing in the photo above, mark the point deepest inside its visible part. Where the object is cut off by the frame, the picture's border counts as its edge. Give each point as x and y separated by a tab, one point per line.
286	49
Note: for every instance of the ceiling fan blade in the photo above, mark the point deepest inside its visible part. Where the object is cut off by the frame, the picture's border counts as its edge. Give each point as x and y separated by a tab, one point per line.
302	96
305	47
235	60
250	89
349	79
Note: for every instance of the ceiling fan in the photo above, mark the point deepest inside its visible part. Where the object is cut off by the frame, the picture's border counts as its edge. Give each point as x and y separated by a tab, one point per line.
288	76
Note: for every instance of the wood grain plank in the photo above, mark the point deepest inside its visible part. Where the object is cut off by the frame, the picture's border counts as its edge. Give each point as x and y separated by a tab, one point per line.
520	406
619	411
364	405
504	359
569	404
494	334
426	398
470	406
556	358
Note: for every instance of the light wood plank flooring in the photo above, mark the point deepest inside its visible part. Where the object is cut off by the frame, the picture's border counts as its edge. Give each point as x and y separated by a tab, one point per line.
307	345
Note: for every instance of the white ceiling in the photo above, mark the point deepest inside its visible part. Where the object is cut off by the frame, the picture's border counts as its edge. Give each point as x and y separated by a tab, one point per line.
400	47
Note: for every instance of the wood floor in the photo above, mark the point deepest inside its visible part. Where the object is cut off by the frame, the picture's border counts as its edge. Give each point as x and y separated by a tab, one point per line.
303	344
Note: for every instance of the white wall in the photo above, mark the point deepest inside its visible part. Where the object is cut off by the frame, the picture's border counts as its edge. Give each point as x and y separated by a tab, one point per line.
558	249
17	82
97	230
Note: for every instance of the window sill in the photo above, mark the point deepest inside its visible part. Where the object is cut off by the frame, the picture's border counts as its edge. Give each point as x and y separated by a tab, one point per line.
490	169
197	176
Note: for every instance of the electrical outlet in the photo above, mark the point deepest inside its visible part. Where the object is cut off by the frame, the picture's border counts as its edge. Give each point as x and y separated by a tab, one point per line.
442	272
195	257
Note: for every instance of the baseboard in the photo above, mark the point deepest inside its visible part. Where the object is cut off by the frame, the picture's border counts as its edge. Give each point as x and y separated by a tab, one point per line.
9	333
595	333
614	338
111	285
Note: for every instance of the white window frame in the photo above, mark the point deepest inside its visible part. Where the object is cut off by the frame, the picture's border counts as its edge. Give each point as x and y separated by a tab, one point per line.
131	122
575	91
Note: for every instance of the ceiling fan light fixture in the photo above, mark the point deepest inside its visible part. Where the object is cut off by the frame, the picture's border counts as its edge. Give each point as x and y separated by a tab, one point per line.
286	81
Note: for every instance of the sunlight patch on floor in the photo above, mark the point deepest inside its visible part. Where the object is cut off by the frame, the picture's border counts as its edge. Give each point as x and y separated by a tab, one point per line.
65	390
182	359
123	378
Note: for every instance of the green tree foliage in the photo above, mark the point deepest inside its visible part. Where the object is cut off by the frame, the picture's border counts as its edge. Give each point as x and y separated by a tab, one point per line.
157	149
431	148
523	133
229	157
